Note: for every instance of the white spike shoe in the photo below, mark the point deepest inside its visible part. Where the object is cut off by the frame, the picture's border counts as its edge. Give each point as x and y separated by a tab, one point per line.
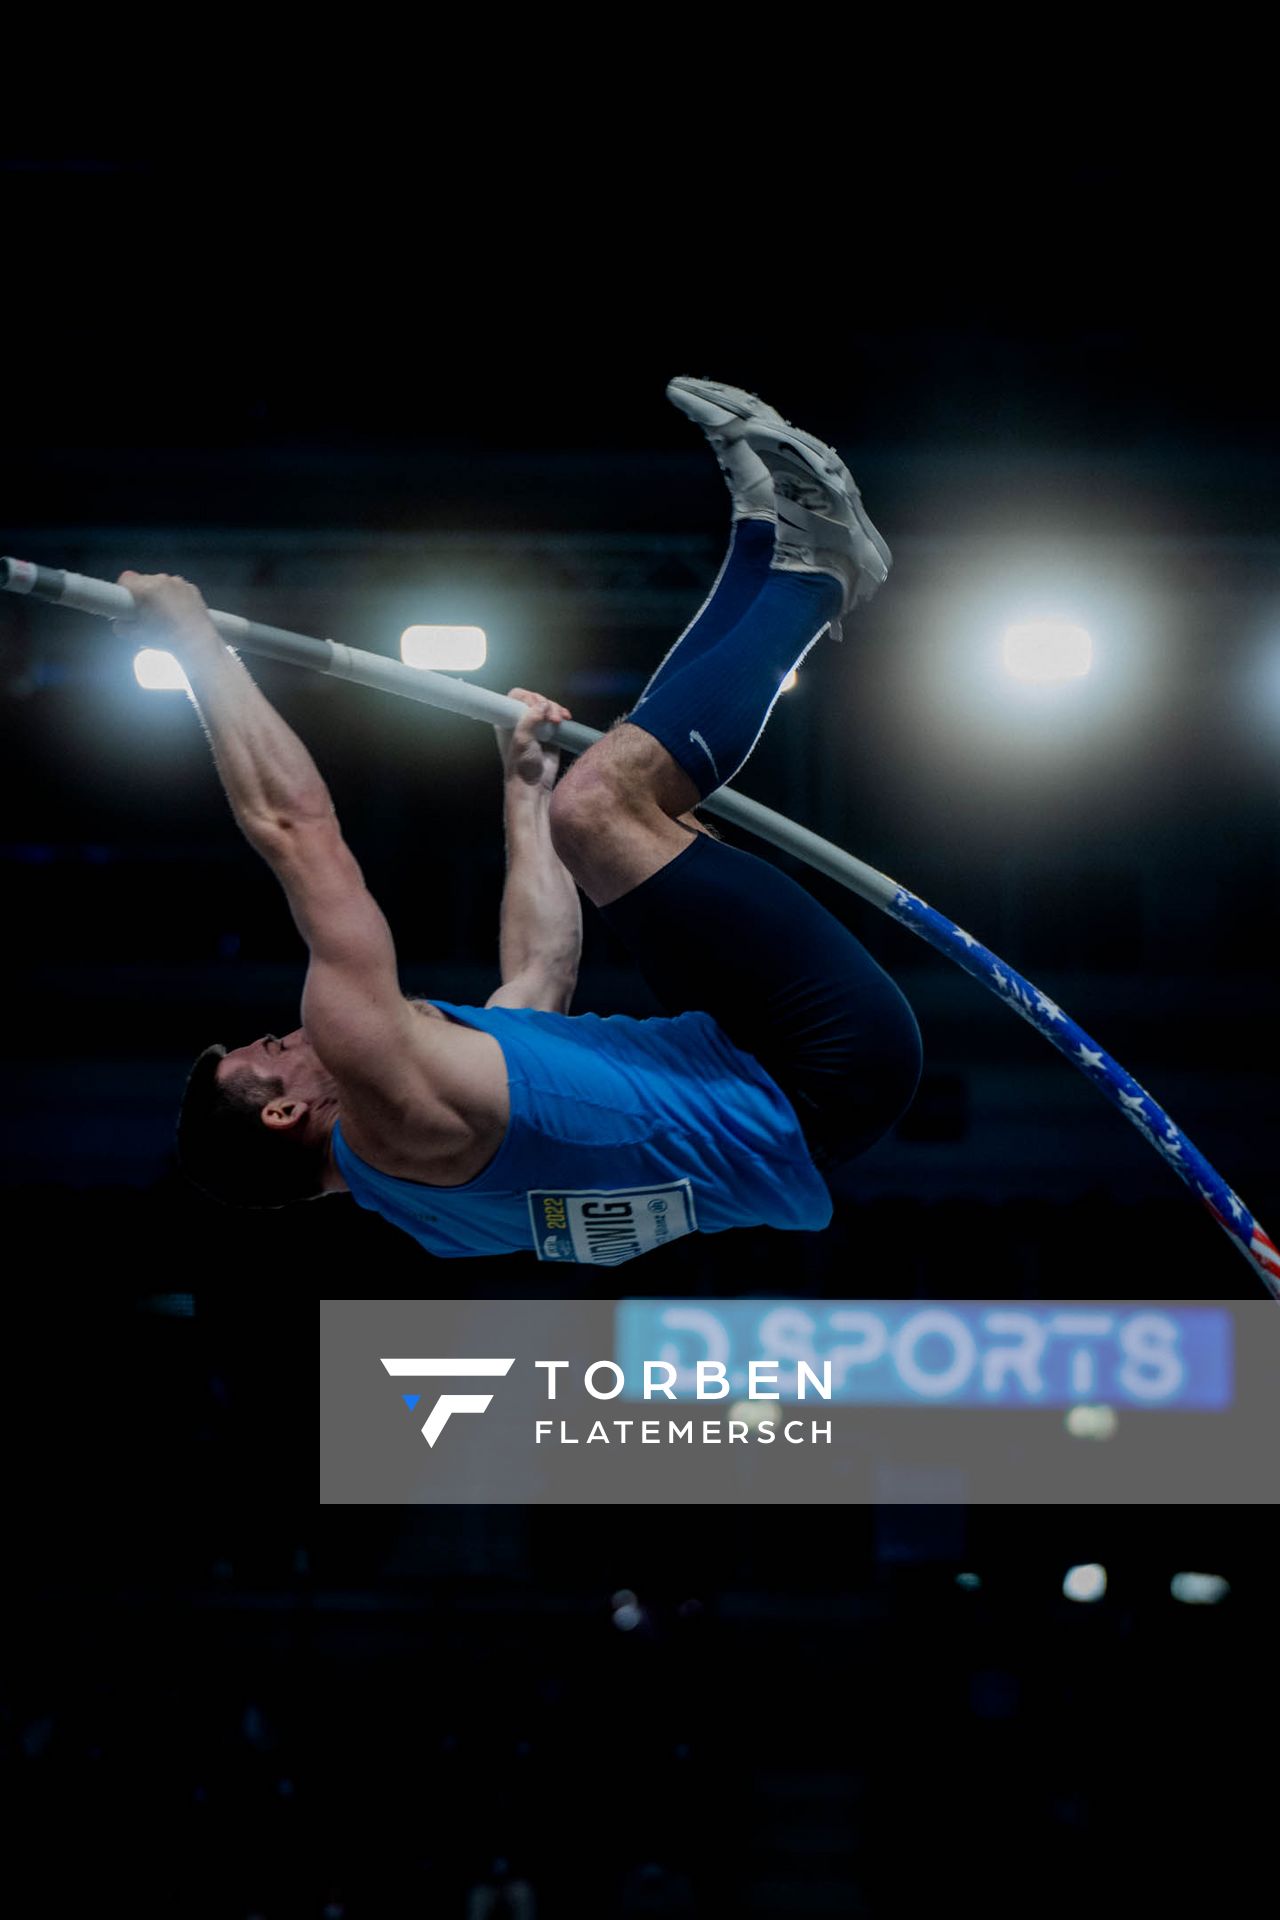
823	526
822	522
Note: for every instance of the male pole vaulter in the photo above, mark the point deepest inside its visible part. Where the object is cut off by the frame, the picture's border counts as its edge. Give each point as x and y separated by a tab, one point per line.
783	1051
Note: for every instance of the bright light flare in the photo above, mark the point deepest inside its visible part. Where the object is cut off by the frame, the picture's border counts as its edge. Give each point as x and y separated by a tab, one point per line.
444	649
1046	652
1199	1589
792	680
1085	1583
159	672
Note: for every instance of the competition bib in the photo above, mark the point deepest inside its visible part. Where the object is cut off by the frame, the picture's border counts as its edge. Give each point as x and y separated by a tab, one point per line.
603	1227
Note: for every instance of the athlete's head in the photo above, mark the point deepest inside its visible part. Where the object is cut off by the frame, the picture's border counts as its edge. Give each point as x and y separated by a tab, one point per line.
255	1122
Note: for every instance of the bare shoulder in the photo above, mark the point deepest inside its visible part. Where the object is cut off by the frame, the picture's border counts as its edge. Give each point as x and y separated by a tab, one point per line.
429	1099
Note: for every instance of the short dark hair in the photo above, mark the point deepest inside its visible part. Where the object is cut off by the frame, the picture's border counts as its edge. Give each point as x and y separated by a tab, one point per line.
225	1148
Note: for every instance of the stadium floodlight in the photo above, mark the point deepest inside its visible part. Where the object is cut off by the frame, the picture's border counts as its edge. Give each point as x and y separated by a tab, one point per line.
1046	651
159	672
1085	1583
1034	660
1199	1589
444	649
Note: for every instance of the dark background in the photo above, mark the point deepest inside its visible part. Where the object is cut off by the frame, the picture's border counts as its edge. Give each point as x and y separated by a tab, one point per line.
342	392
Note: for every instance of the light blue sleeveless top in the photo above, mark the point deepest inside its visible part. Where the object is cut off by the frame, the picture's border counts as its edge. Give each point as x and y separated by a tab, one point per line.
623	1134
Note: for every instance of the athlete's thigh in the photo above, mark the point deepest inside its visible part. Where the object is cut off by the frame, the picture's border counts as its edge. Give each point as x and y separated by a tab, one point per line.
724	932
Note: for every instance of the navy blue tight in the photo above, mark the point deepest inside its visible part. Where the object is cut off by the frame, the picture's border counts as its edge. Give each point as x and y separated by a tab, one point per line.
719	931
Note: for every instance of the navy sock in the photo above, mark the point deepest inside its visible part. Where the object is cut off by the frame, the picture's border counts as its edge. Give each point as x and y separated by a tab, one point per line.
745	571
708	707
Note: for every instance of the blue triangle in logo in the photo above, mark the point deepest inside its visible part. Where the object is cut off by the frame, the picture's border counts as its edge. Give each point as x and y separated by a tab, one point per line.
410	1400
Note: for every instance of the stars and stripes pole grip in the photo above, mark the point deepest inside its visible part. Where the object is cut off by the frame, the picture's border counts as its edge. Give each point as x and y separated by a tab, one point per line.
1106	1074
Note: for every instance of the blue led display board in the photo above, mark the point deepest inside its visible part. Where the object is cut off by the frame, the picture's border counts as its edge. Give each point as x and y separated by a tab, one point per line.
934	1353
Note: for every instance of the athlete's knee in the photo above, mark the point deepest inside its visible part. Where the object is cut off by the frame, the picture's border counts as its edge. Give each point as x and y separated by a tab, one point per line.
626	776
582	805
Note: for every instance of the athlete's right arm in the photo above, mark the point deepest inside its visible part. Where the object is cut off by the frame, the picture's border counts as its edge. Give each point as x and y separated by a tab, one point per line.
540	935
352	1006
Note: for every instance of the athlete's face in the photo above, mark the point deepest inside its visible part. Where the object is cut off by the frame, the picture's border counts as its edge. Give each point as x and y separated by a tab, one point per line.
289	1058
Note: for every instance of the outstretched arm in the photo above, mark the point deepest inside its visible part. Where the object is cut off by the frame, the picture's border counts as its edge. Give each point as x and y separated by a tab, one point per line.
283	807
540	939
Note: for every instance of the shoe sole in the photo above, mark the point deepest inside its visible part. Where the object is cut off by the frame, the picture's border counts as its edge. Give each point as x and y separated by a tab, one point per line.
823	464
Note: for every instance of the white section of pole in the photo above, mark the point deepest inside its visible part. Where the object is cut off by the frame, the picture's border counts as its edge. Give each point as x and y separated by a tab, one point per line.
441	690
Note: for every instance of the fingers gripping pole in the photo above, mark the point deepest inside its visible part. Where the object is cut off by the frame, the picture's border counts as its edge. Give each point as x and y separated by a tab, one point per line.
480	703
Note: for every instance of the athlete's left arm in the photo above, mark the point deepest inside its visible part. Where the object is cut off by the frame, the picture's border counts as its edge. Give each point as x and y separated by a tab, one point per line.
540	939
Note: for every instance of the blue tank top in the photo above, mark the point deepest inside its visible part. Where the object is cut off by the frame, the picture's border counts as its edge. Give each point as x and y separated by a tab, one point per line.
624	1134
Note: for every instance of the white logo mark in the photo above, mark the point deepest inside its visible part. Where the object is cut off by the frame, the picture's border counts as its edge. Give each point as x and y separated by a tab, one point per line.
449	1403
